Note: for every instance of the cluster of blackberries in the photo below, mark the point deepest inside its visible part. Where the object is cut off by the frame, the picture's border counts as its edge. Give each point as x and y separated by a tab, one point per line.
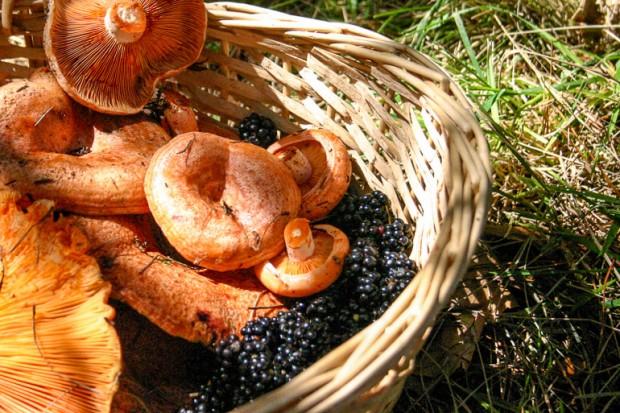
258	130
272	351
363	215
155	108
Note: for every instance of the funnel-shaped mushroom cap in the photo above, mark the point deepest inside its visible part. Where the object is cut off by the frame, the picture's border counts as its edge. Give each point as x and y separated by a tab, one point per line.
313	260
58	351
222	204
109	54
321	166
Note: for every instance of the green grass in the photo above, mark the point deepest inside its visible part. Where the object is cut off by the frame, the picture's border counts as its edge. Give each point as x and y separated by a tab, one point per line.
549	104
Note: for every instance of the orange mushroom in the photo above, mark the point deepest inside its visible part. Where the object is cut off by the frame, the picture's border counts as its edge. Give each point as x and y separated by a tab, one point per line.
109	55
37	115
321	166
313	260
197	306
179	116
222	204
109	179
59	352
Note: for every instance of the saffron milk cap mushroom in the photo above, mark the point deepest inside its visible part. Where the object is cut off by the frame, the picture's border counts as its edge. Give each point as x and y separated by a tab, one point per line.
222	204
178	116
59	352
109	54
321	166
107	179
195	304
312	261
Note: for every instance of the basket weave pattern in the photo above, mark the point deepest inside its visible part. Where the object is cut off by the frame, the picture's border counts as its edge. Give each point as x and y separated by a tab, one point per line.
411	133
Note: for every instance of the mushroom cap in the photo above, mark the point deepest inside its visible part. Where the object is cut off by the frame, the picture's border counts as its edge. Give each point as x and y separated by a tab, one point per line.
107	180
331	169
285	276
222	204
114	77
58	350
37	115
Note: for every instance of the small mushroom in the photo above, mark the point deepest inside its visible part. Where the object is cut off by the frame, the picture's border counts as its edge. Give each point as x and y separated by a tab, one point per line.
313	260
109	55
108	179
222	204
321	167
179	117
59	352
37	115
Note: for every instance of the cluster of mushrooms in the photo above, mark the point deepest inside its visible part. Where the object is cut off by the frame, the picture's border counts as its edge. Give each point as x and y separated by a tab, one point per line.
238	217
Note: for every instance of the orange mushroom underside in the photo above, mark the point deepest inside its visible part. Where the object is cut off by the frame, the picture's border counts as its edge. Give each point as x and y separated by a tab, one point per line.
114	77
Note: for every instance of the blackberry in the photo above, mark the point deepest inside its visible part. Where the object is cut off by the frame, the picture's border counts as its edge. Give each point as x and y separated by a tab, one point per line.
396	236
258	130
155	108
272	351
362	215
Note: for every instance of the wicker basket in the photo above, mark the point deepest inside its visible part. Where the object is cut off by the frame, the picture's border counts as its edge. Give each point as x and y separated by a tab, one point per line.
411	133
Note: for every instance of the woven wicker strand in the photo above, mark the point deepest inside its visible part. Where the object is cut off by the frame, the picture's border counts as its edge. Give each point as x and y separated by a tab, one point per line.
411	133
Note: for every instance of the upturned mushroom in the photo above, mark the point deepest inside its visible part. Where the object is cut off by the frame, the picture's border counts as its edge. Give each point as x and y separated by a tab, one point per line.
59	352
222	204
321	166
109	55
312	261
108	179
37	115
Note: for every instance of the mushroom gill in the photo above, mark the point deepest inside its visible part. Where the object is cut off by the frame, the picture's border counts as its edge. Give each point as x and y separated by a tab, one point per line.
58	350
108	55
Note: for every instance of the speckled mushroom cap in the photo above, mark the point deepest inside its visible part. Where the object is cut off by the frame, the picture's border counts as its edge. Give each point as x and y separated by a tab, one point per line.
222	204
37	115
109	54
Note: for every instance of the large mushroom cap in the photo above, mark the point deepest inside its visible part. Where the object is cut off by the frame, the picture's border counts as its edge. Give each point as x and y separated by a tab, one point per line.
222	204
109	54
109	179
58	351
321	166
312	261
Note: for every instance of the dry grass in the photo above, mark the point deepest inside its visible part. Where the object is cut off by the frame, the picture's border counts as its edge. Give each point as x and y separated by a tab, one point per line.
549	98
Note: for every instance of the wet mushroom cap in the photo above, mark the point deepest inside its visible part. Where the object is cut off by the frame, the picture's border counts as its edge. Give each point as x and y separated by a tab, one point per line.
59	352
222	204
109	55
313	260
321	166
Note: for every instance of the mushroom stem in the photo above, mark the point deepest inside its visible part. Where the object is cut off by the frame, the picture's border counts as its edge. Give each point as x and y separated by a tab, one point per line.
126	21
297	163
299	240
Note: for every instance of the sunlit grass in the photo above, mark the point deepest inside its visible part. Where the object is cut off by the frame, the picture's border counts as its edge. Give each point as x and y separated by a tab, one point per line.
549	103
